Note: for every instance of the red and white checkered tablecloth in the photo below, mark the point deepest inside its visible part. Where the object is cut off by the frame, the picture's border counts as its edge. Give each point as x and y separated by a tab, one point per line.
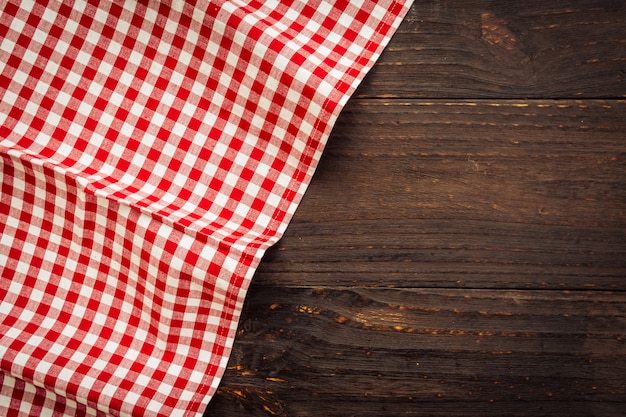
150	153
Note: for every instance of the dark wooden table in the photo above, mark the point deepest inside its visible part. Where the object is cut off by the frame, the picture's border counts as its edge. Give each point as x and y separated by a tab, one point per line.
461	250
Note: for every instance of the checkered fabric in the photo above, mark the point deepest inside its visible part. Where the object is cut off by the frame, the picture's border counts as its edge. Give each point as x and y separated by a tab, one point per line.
150	153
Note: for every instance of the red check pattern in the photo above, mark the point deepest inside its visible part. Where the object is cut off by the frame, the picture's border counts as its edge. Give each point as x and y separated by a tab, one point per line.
150	153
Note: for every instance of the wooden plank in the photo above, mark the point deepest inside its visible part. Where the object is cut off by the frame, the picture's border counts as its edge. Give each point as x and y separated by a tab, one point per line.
487	49
251	403
476	194
389	352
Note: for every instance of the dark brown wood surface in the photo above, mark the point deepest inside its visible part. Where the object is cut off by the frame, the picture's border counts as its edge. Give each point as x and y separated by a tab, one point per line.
505	49
461	250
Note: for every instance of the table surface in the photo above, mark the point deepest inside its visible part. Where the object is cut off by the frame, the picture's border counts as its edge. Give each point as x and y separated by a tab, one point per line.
461	250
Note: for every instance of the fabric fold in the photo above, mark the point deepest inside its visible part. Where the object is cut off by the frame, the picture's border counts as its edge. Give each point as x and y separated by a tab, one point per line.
150	153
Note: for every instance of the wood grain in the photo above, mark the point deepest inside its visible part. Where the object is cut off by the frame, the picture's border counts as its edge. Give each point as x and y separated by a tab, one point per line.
479	194
505	49
356	351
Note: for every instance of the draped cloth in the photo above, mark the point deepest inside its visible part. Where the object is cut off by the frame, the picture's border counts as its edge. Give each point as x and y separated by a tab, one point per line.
150	153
